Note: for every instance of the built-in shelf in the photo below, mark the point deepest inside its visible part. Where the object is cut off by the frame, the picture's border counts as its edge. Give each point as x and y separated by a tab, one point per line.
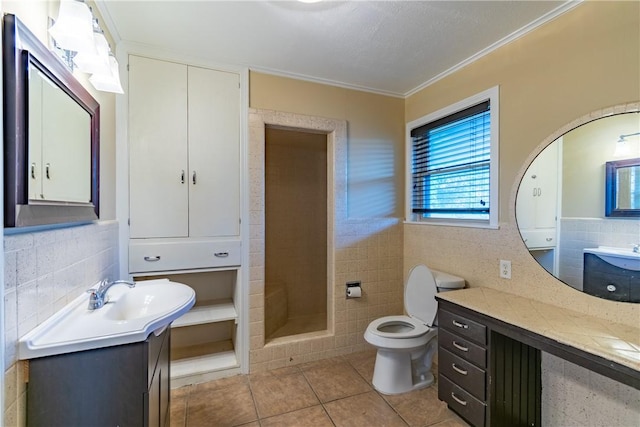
199	360
209	312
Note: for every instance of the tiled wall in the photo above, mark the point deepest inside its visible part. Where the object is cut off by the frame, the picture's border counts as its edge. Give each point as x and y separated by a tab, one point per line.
43	272
575	396
579	233
369	250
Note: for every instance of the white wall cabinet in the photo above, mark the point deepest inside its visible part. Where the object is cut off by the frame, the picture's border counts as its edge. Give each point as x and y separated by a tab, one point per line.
53	174
537	201
184	150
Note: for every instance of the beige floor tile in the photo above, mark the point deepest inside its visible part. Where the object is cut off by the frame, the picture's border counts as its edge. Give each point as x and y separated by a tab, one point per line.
363	362
178	410
279	394
452	422
421	407
314	416
229	406
363	410
220	383
335	381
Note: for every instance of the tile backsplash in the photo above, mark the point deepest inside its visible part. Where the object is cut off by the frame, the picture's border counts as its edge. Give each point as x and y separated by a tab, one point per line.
43	272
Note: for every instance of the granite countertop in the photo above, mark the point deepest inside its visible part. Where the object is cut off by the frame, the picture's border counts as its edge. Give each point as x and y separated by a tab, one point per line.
612	341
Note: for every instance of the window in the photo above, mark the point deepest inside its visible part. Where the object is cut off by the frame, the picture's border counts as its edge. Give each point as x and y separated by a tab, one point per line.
453	164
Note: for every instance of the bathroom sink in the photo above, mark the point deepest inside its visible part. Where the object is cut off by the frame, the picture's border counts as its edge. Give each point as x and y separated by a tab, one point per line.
620	257
130	315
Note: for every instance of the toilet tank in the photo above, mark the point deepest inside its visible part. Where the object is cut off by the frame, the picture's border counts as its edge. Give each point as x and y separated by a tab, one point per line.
447	282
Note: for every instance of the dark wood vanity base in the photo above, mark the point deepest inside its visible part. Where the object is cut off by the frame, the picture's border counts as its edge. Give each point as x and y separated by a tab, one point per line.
126	385
490	371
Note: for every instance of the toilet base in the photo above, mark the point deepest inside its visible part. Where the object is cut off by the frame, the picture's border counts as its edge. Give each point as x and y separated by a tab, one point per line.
394	372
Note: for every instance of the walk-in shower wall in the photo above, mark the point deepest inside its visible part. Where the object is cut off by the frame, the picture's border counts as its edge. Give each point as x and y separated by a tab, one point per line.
295	232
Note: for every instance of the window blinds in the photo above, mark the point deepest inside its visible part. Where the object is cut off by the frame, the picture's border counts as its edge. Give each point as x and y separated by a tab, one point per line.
450	165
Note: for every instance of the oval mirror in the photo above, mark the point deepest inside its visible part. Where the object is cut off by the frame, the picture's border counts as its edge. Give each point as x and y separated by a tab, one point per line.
564	201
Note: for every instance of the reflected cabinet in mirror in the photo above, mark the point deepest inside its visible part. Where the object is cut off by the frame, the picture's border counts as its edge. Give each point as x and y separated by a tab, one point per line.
51	134
577	207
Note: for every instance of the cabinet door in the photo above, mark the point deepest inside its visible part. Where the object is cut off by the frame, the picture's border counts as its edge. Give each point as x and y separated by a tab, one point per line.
214	153
64	177
158	190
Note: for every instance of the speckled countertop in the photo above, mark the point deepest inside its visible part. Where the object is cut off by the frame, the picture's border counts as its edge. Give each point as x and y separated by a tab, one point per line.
612	341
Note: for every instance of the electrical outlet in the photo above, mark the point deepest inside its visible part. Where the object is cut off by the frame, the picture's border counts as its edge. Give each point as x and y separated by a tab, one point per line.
505	269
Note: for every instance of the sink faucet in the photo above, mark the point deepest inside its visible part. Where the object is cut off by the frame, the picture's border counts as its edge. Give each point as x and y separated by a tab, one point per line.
96	300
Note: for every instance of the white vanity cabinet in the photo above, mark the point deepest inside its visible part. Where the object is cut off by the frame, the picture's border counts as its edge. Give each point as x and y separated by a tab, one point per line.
184	150
537	201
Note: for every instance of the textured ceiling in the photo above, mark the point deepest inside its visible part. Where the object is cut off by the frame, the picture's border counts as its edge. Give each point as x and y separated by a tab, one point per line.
390	47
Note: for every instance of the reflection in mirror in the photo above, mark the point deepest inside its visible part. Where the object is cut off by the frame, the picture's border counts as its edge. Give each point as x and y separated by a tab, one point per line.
623	188
560	210
59	144
51	136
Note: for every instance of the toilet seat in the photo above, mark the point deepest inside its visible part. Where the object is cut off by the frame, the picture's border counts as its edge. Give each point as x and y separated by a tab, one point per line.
414	328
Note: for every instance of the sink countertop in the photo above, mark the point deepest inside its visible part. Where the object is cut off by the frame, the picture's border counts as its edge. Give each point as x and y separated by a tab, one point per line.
612	341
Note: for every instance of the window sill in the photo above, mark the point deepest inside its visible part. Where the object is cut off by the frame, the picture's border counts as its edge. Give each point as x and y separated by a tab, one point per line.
449	223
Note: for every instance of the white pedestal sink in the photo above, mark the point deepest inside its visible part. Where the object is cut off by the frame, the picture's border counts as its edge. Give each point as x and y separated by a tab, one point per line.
129	316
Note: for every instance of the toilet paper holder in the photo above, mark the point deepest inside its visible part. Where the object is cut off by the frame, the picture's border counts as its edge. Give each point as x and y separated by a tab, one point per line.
354	289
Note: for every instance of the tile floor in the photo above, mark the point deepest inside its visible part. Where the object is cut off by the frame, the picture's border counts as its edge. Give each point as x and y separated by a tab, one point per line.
331	392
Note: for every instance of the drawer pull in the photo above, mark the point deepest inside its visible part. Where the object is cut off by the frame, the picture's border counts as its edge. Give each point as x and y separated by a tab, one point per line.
611	287
459	325
457	399
152	258
459	346
459	370
221	254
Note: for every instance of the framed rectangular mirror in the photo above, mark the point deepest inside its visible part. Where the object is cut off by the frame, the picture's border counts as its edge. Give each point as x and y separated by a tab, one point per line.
622	188
51	135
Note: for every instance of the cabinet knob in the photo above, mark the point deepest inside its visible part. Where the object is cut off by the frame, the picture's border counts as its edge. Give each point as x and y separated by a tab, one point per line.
47	167
182	177
221	254
459	400
33	171
459	325
611	287
459	370
152	258
194	178
460	346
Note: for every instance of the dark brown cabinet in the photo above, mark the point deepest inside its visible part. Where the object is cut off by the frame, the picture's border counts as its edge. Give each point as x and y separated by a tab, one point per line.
126	385
485	377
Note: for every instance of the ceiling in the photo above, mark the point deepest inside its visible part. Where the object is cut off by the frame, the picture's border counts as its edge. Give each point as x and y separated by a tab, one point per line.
389	47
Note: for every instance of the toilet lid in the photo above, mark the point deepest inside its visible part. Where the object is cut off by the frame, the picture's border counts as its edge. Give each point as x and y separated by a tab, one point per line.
419	295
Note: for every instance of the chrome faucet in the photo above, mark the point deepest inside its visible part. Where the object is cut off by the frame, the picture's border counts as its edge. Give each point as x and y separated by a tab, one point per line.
636	248
97	297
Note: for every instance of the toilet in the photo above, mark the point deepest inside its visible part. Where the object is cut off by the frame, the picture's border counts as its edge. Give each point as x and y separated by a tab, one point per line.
406	344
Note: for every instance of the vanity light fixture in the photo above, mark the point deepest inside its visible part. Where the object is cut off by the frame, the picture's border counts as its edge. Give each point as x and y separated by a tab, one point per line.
94	62
81	43
110	80
73	30
622	148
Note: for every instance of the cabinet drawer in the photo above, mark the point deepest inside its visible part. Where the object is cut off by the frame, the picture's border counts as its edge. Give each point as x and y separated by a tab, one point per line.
467	406
539	238
463	348
463	373
165	255
463	326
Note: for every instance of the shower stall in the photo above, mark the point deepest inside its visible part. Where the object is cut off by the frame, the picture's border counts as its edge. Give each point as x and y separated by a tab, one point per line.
296	282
